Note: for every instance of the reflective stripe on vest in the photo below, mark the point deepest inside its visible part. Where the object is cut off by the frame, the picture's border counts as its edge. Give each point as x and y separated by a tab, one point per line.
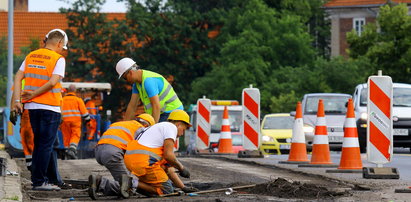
167	97
39	66
119	134
114	137
151	154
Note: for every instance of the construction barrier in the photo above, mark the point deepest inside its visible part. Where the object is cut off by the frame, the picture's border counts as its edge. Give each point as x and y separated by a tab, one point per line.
380	127
350	161
203	127
225	144
321	150
251	118
298	151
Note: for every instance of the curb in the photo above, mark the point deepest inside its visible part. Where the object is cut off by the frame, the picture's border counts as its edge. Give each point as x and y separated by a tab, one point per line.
10	184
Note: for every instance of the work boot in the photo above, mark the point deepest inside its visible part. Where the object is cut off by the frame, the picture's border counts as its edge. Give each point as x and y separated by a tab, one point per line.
94	183
71	153
125	185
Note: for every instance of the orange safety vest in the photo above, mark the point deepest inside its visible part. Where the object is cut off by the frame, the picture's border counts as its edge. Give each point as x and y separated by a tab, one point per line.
39	67
91	107
119	134
73	108
145	162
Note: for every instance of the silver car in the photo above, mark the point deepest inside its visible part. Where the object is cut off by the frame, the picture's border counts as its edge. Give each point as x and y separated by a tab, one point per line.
335	111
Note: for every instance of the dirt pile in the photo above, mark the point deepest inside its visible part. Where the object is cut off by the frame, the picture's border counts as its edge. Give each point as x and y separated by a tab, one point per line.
286	189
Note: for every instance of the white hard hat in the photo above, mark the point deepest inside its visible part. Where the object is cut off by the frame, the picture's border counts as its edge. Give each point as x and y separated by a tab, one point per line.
123	65
63	33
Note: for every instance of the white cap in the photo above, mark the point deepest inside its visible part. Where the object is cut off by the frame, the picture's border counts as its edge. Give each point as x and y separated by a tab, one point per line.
63	33
123	65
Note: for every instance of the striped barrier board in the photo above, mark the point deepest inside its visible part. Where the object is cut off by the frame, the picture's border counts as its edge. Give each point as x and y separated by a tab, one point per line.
380	126
203	127
251	118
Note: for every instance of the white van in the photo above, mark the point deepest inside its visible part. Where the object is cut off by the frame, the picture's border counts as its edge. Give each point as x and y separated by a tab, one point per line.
401	114
334	109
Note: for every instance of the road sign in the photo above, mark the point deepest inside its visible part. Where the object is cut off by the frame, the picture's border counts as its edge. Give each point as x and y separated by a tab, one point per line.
203	128
380	126
251	118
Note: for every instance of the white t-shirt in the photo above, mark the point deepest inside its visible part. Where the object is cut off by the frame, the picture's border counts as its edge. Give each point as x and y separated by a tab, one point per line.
155	135
59	69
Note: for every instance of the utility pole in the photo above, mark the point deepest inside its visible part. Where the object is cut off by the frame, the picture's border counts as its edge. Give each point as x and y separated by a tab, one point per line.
10	52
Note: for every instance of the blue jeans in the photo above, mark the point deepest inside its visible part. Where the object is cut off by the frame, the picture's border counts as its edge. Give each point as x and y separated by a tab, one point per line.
45	124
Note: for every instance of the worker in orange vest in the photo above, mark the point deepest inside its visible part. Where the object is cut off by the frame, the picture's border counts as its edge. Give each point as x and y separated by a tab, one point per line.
43	69
92	110
110	151
73	110
26	132
151	158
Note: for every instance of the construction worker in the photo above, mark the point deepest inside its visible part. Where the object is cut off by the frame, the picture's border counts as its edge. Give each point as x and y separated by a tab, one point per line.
152	89
151	157
43	69
73	110
110	151
92	110
26	133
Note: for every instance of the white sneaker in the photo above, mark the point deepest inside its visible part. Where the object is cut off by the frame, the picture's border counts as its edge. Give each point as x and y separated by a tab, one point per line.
47	187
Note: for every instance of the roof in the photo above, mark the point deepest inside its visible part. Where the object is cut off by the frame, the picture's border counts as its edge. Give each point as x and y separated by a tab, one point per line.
360	3
35	25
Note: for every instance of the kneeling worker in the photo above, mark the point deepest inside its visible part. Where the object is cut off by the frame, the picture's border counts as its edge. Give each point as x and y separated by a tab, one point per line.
110	151
151	154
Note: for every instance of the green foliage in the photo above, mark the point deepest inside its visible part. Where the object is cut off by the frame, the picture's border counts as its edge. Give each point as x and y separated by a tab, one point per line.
3	68
259	42
388	45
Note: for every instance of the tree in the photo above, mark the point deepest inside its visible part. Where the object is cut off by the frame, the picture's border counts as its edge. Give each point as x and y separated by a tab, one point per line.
18	59
259	41
386	43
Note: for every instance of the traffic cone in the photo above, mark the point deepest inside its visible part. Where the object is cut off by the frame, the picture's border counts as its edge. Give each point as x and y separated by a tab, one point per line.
298	151
226	143
350	156
321	148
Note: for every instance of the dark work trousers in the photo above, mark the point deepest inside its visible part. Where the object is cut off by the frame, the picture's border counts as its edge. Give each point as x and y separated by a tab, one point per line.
45	124
112	158
163	117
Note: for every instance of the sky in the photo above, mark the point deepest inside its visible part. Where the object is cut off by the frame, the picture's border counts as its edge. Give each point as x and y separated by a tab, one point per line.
54	5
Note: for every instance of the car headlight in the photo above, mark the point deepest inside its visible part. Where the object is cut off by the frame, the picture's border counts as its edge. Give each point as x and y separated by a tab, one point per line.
267	138
288	140
308	129
364	116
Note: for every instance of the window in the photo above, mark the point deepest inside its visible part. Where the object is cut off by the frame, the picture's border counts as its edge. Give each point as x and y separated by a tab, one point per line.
358	24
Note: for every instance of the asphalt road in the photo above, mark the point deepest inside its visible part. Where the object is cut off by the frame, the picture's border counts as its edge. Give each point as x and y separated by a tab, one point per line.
278	182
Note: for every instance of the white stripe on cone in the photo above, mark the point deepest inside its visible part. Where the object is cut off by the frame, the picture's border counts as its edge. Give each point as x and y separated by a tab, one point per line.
320	139
350	142
298	131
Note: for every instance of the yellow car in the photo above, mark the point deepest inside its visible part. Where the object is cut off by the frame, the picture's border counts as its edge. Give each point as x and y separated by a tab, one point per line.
276	131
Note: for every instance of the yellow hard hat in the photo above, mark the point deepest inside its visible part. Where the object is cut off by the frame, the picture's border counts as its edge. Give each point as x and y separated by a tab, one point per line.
148	118
180	115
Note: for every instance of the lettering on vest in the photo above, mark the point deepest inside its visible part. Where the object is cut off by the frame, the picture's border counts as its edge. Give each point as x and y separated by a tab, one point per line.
36	66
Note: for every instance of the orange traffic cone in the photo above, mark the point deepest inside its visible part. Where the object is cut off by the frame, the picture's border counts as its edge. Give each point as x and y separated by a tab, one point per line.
225	144
350	156
298	151
321	148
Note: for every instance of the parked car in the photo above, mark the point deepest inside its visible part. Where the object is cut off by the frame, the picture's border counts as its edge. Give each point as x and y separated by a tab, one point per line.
335	111
401	114
276	131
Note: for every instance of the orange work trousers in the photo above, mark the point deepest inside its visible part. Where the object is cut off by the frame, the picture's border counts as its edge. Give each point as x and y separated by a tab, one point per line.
71	131
91	129
26	134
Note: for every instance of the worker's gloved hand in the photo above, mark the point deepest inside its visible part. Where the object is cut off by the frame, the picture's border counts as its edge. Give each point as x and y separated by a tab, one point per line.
185	173
13	117
189	189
